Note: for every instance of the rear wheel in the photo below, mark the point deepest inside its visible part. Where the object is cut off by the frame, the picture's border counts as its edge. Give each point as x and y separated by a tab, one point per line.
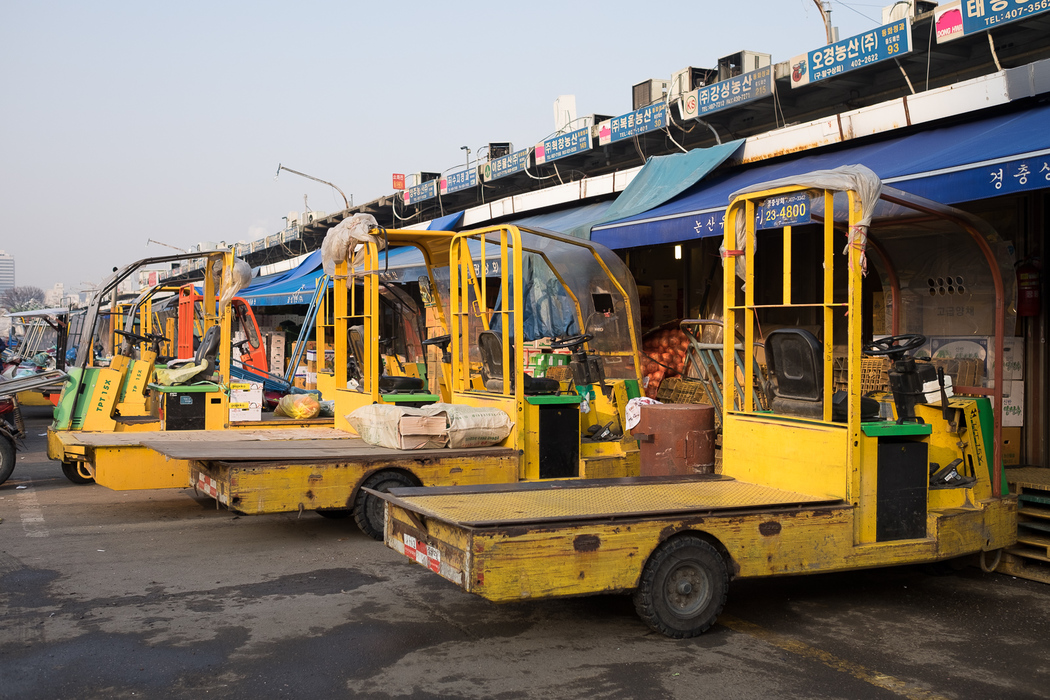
368	510
74	473
7	458
683	587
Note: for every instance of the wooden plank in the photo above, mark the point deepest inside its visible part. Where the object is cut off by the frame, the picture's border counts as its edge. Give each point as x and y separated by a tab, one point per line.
1024	567
300	451
1033	477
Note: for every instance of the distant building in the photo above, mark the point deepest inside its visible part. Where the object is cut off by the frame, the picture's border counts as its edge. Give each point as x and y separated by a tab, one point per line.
53	297
7	271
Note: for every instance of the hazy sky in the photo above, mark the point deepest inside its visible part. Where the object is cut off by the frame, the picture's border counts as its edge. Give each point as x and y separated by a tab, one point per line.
126	121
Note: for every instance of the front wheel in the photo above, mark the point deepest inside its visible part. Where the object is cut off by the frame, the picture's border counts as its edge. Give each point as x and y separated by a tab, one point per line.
73	472
7	458
683	587
368	510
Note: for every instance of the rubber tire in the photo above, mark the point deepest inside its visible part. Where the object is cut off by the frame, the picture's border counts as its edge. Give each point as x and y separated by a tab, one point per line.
72	473
334	513
685	559
368	510
7	458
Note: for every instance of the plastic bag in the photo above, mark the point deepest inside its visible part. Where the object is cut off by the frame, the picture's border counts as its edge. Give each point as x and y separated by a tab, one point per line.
343	237
231	280
298	406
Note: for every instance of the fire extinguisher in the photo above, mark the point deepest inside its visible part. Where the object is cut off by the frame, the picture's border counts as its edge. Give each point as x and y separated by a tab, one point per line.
1029	282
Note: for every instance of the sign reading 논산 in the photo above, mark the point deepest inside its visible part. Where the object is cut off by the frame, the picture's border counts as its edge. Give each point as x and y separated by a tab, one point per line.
507	165
727	93
979	15
880	44
629	125
421	192
564	145
462	180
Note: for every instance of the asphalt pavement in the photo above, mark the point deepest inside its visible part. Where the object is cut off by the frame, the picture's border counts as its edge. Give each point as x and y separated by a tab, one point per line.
159	594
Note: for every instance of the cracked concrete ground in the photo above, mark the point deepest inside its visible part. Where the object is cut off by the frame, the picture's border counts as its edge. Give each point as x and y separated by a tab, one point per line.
157	594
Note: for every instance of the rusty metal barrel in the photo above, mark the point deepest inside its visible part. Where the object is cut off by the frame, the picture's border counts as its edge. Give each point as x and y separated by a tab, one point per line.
676	439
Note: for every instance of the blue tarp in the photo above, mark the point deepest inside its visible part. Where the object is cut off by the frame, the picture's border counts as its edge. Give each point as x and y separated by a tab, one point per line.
446	223
662	178
966	162
295	286
565	220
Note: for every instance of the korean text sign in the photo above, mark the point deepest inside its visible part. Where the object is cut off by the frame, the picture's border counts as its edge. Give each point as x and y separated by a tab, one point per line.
727	93
629	125
563	145
507	165
979	15
880	44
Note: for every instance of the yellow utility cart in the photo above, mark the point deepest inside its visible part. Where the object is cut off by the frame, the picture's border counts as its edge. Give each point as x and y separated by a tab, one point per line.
501	303
826	480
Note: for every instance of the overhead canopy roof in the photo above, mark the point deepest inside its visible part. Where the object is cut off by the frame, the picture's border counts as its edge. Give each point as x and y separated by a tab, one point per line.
965	162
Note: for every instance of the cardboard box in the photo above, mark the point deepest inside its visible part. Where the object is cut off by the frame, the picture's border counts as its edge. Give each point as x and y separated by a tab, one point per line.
275	351
665	290
664	311
246	401
1013	362
1011	447
423	432
1013	404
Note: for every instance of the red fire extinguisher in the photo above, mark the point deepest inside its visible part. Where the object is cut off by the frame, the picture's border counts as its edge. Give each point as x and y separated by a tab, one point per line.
1029	282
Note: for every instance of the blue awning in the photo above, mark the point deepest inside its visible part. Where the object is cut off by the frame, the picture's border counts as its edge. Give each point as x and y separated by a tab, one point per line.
295	286
566	219
985	158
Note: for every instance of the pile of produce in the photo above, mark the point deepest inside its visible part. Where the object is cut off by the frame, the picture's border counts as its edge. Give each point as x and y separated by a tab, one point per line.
663	355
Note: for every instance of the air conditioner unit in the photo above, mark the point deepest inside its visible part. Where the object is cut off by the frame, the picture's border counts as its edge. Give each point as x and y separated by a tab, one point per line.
646	93
419	178
906	8
688	79
500	149
741	62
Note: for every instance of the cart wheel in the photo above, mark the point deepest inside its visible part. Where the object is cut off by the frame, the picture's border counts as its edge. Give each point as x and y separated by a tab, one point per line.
334	513
368	510
683	587
73	473
7	458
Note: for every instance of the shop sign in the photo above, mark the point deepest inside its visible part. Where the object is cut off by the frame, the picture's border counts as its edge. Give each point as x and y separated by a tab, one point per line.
399	181
506	165
979	15
421	192
947	22
727	93
635	123
782	210
462	180
563	146
880	44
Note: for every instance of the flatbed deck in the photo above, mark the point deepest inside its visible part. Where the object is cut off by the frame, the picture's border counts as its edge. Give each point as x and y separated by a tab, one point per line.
502	505
346	448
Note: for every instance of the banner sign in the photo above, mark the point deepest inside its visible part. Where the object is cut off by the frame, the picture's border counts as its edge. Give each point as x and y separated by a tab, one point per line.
881	44
462	180
421	192
979	15
630	125
727	93
563	146
947	21
507	165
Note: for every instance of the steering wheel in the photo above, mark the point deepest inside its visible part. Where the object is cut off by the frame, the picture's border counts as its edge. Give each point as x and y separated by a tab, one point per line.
135	337
572	341
439	340
894	345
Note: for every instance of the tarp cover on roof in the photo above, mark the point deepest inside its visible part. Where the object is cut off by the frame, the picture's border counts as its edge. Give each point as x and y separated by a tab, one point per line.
965	162
661	179
446	223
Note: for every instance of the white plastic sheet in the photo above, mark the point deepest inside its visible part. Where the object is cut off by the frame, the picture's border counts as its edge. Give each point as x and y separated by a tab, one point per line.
231	280
344	237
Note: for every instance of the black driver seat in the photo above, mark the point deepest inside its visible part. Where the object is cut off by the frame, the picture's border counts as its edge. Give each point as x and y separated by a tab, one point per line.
387	383
490	344
794	357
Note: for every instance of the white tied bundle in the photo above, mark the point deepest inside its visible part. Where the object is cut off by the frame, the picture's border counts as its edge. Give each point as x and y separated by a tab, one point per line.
231	280
344	237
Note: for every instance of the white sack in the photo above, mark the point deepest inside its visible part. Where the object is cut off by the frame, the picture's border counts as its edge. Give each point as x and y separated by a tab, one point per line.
231	280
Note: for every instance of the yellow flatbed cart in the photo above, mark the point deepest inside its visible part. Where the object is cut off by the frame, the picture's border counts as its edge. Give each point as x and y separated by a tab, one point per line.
125	462
254	477
823	480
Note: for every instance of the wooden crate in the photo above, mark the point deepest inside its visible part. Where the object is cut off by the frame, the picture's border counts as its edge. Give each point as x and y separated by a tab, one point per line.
1030	557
